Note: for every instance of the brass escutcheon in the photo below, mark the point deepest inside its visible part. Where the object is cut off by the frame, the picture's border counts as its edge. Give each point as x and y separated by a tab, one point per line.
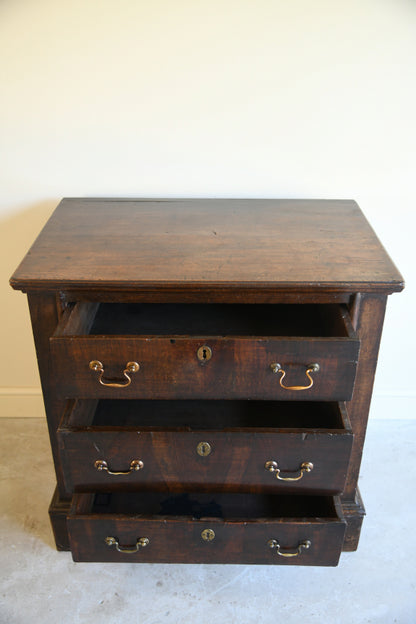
203	449
204	353
208	535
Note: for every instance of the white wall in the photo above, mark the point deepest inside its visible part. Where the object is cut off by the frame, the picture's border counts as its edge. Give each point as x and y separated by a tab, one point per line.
264	98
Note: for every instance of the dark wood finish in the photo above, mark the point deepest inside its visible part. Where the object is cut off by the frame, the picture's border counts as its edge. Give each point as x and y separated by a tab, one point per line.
308	321
238	452
369	325
77	319
45	312
195	294
353	512
288	281
245	524
58	512
205	415
239	368
321	245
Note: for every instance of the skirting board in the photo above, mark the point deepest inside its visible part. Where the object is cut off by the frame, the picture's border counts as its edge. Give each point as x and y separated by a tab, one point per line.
21	403
28	403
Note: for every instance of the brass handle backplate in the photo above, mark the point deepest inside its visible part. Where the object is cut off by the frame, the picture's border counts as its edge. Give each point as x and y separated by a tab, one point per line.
273	466
131	367
140	543
135	464
312	368
286	553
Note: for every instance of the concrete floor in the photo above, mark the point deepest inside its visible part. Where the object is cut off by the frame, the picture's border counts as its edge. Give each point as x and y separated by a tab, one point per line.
374	584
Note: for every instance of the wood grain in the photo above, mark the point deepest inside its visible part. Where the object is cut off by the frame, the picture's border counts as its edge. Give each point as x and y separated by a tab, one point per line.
239	367
45	312
240	446
99	244
369	326
241	539
99	265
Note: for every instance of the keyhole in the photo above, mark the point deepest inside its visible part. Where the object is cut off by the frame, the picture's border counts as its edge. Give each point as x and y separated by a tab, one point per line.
204	353
208	535
203	449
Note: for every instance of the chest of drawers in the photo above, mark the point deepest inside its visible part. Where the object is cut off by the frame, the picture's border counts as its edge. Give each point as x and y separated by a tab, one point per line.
207	370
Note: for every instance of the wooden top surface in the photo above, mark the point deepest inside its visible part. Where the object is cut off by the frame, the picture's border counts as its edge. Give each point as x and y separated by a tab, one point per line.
113	244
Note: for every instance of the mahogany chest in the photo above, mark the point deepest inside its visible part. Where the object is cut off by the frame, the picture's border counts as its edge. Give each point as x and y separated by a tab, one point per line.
207	368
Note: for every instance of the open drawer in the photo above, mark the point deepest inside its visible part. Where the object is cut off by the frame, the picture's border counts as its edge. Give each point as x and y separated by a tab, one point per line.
206	528
225	351
277	446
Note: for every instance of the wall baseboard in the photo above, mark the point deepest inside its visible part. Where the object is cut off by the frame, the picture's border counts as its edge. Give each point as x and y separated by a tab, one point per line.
21	403
28	403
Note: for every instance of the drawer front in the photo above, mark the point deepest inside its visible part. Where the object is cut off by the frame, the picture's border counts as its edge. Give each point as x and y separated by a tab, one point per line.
238	367
273	461
100	538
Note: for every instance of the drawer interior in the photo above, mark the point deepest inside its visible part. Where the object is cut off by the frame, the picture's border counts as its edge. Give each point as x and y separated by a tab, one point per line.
315	320
223	506
194	415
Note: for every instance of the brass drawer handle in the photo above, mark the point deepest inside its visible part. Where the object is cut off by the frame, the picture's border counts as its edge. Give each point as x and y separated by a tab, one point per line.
275	544
141	543
272	466
135	464
131	367
312	368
